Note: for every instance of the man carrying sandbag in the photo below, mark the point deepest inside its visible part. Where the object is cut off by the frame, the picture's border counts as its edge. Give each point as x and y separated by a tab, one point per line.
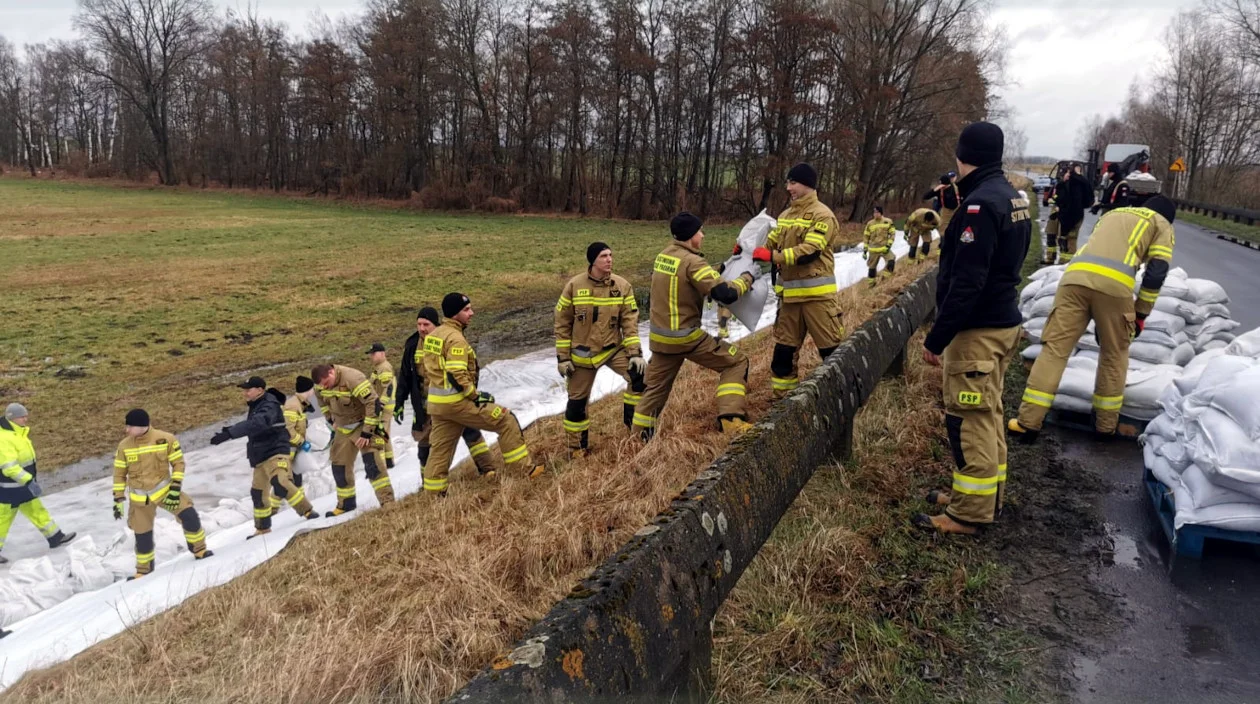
1098	286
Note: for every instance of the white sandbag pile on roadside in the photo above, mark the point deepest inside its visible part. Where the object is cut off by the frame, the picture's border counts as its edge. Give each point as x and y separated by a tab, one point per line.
1190	317
1205	443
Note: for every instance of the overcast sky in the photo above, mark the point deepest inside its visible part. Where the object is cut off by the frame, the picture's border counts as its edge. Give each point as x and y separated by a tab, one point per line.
1058	76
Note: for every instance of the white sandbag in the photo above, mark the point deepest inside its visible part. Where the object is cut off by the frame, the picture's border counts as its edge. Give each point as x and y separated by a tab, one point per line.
1164	473
87	570
1240	400
1211	326
1063	402
1222	449
1203	493
1214	345
1041	307
1161	338
1162	426
1139	412
1077	382
1137	365
1191	313
1087	342
1245	345
1029	291
1205	291
1034	326
1175	285
1151	443
1152	352
1051	273
1143	388
1244	517
1086	364
1176	454
1219	310
1194	369
1171	324
1031	352
1219	371
1170	401
1087	354
1183	354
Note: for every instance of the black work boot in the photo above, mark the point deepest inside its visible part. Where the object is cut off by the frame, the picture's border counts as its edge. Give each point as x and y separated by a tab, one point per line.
58	539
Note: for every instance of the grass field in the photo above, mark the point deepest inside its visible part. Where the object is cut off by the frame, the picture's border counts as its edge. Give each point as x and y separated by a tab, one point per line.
124	297
1229	227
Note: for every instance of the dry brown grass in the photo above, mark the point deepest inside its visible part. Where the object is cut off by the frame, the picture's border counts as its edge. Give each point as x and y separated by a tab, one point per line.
408	602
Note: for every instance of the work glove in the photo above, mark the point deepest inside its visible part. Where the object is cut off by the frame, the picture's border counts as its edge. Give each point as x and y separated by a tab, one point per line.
565	368
1094	210
118	506
762	254
35	489
368	435
738	250
483	398
171	500
398	414
305	446
638	365
220	437
1139	326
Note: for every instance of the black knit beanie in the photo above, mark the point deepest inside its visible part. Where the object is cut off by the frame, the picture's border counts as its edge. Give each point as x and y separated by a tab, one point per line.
944	179
684	226
304	384
137	418
453	303
593	251
1163	206
980	144
803	174
430	314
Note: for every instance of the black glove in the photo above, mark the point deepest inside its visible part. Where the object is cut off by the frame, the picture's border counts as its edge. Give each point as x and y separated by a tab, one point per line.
1094	210
398	414
367	434
171	500
35	489
483	398
220	437
118	510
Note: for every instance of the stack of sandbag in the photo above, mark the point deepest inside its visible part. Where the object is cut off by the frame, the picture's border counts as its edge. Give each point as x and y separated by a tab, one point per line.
1143	387
1203	305
1205	444
1163	341
1035	302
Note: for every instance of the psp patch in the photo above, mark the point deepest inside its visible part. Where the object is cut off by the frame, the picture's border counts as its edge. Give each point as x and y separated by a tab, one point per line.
967	236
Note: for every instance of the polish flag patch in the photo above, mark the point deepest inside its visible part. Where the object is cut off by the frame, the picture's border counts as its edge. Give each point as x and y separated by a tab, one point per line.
973	209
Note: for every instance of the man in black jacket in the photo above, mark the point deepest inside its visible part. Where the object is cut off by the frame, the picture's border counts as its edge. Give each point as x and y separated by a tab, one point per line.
268	452
411	385
1074	196
977	328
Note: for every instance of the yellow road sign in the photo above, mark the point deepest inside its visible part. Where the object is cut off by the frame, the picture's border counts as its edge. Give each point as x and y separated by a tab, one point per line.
1178	165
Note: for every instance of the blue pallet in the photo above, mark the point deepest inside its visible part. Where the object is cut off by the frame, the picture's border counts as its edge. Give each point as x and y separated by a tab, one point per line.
1187	542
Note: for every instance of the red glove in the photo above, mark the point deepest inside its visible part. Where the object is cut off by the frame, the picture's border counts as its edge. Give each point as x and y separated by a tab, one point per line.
1139	325
761	254
738	250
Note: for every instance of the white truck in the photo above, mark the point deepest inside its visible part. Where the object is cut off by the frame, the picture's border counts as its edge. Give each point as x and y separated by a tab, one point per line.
1134	168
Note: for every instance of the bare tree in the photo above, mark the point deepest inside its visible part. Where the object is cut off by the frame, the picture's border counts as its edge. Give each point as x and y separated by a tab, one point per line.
146	45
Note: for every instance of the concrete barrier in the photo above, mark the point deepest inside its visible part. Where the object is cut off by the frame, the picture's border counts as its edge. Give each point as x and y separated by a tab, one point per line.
638	628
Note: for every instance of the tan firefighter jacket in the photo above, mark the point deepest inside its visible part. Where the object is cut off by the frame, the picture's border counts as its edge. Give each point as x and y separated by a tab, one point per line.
145	467
802	244
596	318
1123	240
450	366
351	402
681	279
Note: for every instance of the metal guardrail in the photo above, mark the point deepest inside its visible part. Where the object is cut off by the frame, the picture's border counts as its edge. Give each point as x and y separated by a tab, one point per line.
1221	212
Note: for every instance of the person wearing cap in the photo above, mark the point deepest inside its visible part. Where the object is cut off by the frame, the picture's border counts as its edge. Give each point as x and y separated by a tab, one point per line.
1073	196
1116	194
877	240
801	247
383	382
597	325
19	487
455	403
411	385
148	473
977	328
681	279
268	451
919	227
354	411
945	198
1098	285
295	409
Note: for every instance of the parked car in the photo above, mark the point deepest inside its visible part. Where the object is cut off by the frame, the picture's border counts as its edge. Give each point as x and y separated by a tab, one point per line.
1041	183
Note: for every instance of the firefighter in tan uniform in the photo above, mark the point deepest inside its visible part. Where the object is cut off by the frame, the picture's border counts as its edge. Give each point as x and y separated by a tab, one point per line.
680	280
597	325
801	248
149	472
383	383
450	366
977	329
1051	255
1098	286
295	409
877	241
412	385
919	228
355	413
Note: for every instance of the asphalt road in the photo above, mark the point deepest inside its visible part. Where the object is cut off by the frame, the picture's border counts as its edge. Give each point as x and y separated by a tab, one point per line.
1192	632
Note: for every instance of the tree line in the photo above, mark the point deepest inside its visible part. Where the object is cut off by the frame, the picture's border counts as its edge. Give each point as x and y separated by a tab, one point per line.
1201	104
624	108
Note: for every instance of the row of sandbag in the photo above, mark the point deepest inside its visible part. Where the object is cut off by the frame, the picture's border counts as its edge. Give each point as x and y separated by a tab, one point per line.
1205	444
1190	316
